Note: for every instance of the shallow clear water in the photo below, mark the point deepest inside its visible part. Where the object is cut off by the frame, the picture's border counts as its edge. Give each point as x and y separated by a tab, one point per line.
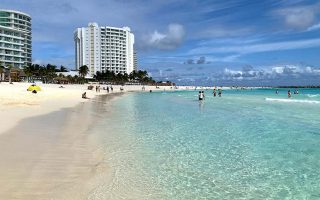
248	144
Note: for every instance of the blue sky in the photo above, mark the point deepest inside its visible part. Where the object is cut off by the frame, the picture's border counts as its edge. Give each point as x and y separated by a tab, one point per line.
213	42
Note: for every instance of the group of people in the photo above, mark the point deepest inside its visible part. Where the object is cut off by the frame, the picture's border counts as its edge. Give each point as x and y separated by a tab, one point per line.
289	92
108	89
295	92
98	88
215	92
201	95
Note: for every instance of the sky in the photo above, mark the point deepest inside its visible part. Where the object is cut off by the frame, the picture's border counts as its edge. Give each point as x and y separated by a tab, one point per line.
209	42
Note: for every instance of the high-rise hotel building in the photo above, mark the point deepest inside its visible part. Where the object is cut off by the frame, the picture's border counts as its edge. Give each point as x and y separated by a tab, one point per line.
15	38
104	48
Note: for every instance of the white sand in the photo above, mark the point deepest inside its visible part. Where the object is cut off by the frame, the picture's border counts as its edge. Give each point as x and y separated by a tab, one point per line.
17	103
50	157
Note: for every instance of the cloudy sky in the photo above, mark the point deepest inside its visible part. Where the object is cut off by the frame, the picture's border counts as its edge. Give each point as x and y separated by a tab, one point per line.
243	42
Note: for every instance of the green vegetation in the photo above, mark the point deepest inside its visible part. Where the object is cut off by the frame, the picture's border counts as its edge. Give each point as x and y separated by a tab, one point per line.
83	71
133	77
50	74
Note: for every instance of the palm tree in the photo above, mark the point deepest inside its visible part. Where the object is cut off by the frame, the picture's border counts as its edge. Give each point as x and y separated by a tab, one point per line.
83	71
1	72
63	69
50	72
28	70
10	67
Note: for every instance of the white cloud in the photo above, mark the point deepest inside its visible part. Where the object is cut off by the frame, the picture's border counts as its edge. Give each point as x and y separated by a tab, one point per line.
299	17
255	48
171	39
273	73
214	32
314	27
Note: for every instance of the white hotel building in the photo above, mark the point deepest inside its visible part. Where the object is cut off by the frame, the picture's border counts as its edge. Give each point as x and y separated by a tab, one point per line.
15	38
104	48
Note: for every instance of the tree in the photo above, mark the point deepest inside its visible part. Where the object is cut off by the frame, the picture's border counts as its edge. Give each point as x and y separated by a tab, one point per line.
10	67
28	71
83	71
63	69
50	72
1	70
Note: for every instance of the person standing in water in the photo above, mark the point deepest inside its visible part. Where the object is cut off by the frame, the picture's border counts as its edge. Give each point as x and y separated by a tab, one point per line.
289	94
201	96
214	92
277	91
220	92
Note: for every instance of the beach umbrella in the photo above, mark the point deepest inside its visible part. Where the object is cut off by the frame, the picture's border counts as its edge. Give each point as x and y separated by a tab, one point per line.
34	87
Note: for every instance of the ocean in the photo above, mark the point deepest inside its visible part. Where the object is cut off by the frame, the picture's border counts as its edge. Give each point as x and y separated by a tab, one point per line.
247	144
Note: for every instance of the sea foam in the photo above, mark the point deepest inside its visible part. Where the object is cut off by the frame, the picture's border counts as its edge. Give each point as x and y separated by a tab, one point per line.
313	95
293	101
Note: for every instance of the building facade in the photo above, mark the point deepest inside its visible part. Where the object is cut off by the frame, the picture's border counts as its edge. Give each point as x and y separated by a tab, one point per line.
15	39
104	48
135	61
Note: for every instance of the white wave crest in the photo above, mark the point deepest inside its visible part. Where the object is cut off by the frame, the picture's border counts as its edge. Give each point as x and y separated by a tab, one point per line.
293	101
313	95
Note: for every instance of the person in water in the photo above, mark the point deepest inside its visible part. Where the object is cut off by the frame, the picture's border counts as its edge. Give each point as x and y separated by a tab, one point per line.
289	94
201	95
220	92
277	91
214	92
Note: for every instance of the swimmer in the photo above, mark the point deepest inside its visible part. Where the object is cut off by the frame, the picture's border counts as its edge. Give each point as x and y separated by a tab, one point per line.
201	96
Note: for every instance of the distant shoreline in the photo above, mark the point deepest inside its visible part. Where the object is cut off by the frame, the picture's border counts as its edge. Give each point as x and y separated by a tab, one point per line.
297	87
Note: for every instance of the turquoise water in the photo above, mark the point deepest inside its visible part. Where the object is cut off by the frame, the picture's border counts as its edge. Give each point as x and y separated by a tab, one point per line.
248	144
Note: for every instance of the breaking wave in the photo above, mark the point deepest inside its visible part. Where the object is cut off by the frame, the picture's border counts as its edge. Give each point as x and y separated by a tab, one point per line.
293	101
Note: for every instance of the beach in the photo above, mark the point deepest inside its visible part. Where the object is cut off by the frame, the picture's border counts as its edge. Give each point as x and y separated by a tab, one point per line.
16	103
45	149
246	144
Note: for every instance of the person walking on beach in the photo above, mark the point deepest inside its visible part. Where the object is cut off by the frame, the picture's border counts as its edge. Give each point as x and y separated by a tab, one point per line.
289	94
111	88
107	89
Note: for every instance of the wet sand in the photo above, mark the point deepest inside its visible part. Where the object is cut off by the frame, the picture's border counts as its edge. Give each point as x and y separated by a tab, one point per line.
52	156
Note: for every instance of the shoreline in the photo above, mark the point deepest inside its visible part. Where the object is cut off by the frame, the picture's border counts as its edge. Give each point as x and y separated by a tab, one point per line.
17	104
52	156
45	149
